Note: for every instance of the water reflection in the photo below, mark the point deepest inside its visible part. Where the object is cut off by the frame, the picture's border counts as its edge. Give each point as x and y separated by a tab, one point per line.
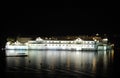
84	61
16	53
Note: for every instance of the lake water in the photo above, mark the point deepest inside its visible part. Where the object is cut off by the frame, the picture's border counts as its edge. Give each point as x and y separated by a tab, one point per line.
52	63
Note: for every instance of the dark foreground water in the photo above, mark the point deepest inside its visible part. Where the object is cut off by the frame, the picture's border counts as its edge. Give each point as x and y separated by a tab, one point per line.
60	64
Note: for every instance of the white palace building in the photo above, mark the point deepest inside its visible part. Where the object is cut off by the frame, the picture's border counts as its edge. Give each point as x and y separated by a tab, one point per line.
55	44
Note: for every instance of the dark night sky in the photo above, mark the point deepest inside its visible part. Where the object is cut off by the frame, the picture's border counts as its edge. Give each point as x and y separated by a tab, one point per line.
63	20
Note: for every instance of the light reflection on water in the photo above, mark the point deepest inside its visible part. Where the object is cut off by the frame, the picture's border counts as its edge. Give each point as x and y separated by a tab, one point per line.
86	61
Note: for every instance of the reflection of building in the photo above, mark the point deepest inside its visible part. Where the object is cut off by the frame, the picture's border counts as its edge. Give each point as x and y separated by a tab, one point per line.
76	44
75	61
16	53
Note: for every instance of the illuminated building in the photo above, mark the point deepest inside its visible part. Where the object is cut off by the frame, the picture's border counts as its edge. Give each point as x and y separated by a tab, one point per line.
54	44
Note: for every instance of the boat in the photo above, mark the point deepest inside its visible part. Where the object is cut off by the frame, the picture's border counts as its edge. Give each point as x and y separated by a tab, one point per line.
93	43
